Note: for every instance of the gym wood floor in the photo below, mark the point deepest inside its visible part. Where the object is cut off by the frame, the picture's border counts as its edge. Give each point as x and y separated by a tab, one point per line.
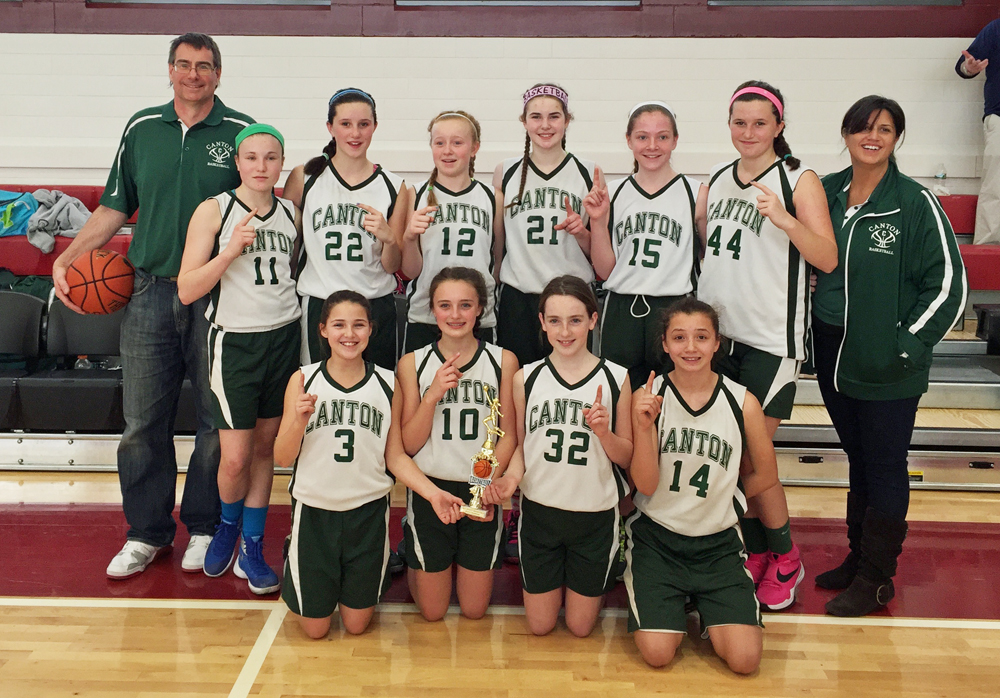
143	647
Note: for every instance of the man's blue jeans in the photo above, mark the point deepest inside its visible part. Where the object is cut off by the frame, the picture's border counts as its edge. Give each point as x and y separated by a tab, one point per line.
162	341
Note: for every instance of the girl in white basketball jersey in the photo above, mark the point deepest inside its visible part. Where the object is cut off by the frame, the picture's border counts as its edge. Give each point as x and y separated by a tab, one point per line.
240	249
643	241
574	439
354	213
341	430
447	388
543	231
451	225
691	428
768	222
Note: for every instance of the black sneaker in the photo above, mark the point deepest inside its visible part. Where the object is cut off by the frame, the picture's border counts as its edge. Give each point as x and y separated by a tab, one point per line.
510	548
397	558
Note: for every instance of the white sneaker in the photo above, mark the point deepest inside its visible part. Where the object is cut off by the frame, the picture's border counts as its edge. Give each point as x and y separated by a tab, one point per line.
132	559
194	555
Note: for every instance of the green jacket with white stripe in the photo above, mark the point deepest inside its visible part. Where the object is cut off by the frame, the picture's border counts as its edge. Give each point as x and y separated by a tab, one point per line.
904	285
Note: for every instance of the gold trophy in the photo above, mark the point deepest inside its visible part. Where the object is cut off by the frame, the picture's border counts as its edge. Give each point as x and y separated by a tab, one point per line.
484	463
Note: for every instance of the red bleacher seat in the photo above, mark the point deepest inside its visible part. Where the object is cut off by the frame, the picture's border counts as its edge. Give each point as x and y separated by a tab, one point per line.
982	264
24	259
961	211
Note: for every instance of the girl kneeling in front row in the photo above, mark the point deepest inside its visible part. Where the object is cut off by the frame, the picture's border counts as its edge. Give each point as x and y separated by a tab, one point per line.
573	428
689	429
341	428
448	386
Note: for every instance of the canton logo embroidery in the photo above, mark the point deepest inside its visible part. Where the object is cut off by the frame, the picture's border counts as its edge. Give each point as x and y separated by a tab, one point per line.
220	153
883	235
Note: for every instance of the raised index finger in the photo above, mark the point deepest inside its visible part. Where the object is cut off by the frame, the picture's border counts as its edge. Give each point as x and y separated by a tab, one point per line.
597	400
367	209
762	187
246	218
649	383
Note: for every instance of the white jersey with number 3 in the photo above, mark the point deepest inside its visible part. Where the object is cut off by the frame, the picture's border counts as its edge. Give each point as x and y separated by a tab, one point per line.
458	431
565	464
535	253
752	273
342	462
257	292
340	253
653	237
700	452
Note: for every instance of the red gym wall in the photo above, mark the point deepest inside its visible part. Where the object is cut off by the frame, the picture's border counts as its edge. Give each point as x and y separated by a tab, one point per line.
655	18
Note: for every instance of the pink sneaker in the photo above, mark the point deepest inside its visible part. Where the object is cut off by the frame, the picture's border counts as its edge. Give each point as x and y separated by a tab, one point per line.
783	576
757	564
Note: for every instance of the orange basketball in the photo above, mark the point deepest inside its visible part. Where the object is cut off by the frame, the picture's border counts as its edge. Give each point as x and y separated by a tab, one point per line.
483	469
100	282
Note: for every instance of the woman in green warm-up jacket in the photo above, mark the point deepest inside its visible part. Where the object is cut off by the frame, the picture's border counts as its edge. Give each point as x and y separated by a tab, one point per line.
899	287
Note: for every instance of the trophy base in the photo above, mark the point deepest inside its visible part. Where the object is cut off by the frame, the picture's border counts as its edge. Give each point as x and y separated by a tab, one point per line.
474	511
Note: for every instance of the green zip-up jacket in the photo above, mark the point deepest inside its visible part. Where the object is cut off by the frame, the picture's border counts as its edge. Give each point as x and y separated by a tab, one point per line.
903	283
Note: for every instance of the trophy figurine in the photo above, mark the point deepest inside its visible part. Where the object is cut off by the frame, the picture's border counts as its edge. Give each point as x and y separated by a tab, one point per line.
484	463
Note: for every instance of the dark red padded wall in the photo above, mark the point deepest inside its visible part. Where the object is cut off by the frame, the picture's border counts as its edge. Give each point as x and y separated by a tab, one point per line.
655	18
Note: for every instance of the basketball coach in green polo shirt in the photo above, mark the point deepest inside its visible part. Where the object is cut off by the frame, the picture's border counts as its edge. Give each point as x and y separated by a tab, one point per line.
170	159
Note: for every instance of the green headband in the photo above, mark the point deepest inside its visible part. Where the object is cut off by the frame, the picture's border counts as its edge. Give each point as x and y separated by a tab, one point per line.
254	129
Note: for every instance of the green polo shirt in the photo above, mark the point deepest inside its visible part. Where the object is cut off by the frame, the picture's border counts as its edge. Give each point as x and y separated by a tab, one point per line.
165	173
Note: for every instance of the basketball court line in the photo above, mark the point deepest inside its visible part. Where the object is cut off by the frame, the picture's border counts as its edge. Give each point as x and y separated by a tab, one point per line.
261	648
224	605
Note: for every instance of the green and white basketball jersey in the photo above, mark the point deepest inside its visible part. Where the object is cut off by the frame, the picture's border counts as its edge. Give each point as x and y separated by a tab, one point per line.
340	253
342	461
534	252
653	238
565	464
752	273
460	236
458	431
700	454
257	291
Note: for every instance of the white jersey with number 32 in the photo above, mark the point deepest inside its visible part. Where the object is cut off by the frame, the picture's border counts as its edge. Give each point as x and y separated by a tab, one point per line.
565	464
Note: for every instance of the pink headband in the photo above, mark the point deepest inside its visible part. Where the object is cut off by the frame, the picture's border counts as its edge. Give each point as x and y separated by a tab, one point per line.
547	91
763	93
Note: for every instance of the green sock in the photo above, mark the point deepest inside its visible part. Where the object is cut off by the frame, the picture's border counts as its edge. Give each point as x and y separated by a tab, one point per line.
779	540
754	535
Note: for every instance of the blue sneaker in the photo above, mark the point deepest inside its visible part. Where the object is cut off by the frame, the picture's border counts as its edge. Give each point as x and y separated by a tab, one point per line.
250	566
222	550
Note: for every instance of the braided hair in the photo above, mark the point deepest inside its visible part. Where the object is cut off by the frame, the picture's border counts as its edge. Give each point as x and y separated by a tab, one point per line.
456	115
348	95
781	147
527	142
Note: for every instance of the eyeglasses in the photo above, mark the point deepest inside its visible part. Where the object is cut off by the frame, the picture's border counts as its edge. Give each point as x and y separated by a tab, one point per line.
202	68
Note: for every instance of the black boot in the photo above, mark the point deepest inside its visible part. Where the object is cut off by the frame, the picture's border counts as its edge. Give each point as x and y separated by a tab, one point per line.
842	576
881	543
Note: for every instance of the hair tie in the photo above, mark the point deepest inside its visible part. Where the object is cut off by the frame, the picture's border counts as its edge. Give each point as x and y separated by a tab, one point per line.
766	94
653	103
547	91
787	156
